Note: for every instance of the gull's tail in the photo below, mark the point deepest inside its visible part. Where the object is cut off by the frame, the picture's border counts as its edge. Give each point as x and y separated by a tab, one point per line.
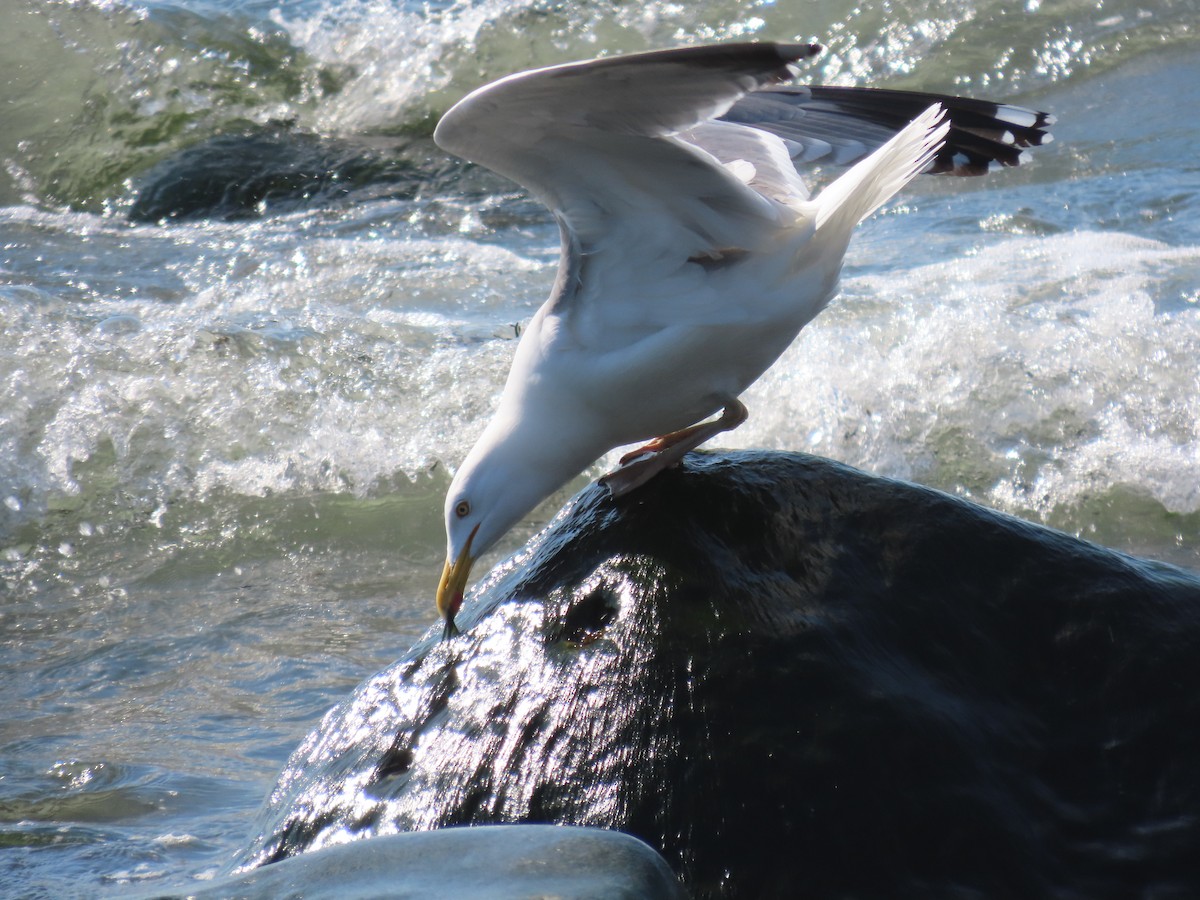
875	180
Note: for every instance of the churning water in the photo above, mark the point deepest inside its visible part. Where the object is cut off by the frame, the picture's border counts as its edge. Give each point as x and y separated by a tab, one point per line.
226	419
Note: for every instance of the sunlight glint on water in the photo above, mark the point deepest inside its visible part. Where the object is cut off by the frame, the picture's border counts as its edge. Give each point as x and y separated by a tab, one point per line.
223	443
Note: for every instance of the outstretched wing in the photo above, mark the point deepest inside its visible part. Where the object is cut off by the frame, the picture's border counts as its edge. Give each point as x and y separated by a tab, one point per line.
841	125
598	142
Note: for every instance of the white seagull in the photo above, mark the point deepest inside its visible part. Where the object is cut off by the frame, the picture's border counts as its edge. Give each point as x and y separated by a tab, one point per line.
692	252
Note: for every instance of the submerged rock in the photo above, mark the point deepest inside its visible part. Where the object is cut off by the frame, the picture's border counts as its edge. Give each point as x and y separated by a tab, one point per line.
795	679
244	174
511	862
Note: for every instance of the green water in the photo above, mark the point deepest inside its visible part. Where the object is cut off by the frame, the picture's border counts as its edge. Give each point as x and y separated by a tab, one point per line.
223	444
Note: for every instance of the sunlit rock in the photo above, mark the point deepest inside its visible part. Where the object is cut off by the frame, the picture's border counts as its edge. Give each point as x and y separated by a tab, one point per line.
794	679
513	862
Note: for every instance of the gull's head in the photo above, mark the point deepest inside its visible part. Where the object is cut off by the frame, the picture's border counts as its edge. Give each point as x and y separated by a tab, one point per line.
501	481
464	518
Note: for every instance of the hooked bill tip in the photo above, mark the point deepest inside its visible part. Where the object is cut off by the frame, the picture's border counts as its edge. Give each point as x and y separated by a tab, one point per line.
451	611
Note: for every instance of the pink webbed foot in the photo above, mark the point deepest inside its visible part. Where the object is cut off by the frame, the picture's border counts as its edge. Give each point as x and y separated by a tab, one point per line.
640	465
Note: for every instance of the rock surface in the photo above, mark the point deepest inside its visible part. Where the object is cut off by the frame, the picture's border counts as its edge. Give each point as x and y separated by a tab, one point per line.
242	175
794	679
509	862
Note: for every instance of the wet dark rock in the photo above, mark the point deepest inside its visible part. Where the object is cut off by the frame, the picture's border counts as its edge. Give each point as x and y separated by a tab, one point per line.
246	174
795	680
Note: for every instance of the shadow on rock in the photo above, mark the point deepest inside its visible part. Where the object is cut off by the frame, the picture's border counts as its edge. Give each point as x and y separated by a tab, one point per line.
795	679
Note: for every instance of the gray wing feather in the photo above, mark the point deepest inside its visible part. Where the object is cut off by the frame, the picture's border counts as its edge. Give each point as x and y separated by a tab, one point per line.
841	125
596	141
651	94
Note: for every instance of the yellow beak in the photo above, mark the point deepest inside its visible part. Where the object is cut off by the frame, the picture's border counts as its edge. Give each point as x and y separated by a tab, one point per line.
454	584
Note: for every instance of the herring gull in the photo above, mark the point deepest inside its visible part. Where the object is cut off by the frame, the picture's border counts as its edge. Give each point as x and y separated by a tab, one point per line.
692	251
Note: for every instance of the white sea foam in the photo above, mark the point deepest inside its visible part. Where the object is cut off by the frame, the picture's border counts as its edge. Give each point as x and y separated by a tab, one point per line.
392	62
328	365
1033	374
262	389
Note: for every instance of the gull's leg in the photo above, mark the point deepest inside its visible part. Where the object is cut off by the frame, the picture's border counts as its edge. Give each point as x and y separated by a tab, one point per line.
642	464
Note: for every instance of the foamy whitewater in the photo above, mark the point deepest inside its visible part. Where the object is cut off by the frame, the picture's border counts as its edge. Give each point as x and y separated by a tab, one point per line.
225	429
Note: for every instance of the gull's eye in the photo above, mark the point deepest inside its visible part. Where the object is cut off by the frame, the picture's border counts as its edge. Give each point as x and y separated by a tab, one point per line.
462	509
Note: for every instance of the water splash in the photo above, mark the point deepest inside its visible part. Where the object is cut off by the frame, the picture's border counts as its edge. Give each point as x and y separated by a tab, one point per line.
954	374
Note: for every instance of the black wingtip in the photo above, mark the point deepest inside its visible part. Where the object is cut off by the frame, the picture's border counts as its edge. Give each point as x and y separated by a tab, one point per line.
797	52
792	55
983	134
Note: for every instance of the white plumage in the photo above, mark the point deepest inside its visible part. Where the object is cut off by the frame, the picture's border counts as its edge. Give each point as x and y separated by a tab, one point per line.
692	257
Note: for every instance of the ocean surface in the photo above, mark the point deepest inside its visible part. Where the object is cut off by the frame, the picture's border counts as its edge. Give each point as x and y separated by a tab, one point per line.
227	417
